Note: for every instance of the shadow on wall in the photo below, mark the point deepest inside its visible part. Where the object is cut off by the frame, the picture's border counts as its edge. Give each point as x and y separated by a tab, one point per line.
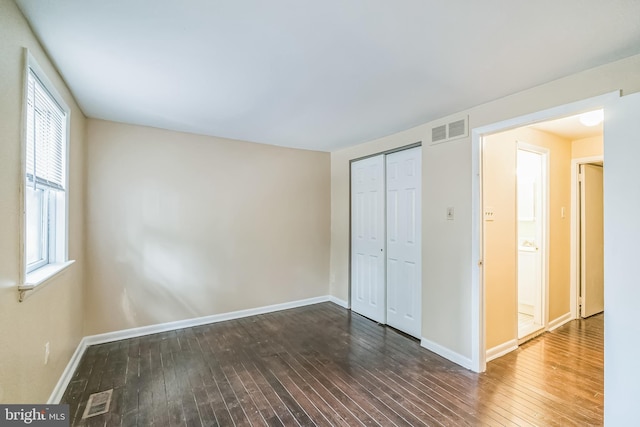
164	276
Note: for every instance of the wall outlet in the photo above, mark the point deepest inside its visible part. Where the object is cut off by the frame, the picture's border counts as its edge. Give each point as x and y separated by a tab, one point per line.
47	351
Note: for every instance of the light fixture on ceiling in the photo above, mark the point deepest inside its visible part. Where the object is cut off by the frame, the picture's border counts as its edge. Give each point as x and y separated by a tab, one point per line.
592	118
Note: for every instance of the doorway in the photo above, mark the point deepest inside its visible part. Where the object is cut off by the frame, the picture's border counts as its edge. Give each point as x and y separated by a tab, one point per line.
591	243
386	217
481	313
515	229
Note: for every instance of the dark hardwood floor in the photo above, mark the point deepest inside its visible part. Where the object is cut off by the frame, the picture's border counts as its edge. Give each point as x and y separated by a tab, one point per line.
323	365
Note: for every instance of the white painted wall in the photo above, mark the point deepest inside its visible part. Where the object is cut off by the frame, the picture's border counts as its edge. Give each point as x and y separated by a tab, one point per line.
621	237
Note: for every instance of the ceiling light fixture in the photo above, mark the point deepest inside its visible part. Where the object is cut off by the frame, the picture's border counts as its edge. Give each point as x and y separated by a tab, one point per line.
592	118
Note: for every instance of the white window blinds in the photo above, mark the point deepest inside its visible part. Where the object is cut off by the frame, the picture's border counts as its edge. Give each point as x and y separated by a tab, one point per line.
46	124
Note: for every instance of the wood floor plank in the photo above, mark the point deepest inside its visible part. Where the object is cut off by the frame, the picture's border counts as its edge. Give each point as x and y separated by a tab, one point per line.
367	356
371	404
326	366
457	420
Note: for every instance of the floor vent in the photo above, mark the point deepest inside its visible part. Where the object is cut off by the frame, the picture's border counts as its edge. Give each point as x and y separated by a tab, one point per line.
449	131
97	404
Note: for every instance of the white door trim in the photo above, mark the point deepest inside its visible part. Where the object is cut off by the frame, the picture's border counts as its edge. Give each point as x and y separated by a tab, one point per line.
575	236
478	351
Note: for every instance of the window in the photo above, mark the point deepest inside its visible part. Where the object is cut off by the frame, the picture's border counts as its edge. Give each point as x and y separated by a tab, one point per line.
45	220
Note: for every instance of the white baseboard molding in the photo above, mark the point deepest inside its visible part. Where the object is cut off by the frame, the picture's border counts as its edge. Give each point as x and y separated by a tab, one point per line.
67	374
556	323
87	341
449	354
501	350
197	321
342	303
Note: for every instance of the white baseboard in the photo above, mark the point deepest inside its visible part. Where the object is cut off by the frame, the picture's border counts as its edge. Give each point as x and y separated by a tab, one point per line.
342	303
67	374
501	350
449	354
556	323
87	341
197	321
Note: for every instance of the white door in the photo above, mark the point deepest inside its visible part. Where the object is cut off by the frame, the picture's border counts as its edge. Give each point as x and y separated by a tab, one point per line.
591	240
531	210
368	238
404	281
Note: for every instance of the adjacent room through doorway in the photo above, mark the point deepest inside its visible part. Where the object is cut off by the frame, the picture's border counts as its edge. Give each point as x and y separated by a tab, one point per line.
542	228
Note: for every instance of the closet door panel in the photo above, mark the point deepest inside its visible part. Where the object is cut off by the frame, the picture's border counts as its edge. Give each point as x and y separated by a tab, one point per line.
404	278
368	290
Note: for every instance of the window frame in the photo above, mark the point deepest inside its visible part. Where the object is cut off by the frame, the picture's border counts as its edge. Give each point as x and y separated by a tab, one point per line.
46	240
55	203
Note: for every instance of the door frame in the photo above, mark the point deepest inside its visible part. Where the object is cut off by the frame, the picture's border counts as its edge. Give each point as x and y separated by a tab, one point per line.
544	250
478	347
575	231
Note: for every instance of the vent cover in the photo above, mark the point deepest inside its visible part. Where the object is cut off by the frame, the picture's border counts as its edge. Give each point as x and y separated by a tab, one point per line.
98	404
439	133
446	132
457	129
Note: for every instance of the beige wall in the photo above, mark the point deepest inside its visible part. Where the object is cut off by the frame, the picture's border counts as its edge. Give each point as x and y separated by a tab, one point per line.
53	313
182	226
587	147
501	252
447	181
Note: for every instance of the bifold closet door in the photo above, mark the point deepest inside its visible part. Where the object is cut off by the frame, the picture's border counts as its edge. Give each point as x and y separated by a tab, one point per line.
368	290
404	259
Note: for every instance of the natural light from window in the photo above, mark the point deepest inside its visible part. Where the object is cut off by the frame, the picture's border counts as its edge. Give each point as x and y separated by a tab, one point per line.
45	225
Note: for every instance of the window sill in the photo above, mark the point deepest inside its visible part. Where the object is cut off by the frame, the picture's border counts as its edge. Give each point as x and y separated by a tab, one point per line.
37	279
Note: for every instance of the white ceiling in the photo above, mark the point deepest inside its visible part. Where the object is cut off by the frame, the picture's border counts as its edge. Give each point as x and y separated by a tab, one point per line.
569	128
318	75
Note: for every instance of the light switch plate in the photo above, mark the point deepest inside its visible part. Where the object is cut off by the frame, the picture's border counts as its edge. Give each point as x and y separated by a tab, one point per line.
450	213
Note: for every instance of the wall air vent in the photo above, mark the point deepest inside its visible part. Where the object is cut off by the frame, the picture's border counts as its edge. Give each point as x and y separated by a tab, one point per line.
448	131
457	129
439	134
